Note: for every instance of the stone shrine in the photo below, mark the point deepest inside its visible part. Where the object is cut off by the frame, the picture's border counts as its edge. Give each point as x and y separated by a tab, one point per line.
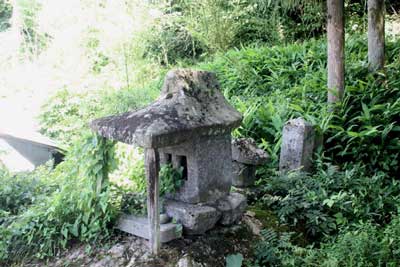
188	126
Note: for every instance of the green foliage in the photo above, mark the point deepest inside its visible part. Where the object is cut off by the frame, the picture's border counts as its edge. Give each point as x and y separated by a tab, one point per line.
320	203
34	40
5	15
171	179
19	191
169	42
134	201
67	214
366	127
65	115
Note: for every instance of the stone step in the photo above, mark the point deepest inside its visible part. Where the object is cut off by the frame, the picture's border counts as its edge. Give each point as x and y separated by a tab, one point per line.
139	226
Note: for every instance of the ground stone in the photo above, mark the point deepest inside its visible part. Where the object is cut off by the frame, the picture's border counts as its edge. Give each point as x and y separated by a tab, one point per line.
196	219
232	208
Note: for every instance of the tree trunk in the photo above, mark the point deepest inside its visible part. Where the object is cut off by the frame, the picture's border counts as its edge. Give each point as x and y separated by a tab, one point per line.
335	32
376	34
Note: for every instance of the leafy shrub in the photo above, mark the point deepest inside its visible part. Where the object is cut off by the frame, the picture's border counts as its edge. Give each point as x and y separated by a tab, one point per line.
321	203
19	191
67	214
170	179
169	42
5	15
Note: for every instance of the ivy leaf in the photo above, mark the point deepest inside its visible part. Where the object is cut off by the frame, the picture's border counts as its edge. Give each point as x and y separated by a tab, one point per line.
234	260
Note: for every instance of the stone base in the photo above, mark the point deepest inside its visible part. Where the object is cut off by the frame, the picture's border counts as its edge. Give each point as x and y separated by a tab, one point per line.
139	226
232	208
195	218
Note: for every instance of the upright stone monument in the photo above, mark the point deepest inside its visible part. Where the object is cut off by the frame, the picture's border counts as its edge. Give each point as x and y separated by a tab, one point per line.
298	144
188	126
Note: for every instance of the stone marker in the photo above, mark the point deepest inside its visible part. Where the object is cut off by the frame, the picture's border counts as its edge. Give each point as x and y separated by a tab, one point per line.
246	156
139	226
298	144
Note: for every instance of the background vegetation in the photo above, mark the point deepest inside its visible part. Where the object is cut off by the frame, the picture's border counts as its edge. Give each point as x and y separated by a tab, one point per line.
102	58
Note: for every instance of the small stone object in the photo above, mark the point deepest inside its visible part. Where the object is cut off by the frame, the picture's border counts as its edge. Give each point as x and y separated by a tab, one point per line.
164	218
196	219
139	226
117	251
298	144
187	261
246	156
232	208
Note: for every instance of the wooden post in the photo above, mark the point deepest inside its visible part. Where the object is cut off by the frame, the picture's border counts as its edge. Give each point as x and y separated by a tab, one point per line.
376	34
152	165
335	32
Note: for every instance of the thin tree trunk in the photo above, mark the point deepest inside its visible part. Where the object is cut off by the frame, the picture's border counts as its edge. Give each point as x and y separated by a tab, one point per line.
376	34
335	32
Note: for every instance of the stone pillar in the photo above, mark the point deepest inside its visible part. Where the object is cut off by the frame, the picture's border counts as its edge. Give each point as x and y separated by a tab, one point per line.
152	166
298	143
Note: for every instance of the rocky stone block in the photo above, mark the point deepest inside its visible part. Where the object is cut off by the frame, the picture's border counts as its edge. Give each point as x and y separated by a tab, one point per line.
231	207
196	219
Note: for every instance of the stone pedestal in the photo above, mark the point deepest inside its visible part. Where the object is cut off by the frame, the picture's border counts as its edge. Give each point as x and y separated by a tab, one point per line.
196	219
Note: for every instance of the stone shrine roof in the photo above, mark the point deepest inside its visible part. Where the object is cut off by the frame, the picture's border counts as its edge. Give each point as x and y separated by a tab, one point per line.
190	104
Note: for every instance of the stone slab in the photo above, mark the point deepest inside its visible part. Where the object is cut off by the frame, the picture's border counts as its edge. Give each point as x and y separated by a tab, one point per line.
231	207
196	219
139	226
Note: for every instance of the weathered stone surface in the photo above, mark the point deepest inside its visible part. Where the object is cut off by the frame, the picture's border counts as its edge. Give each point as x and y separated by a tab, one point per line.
245	150
187	261
190	104
139	226
232	208
164	218
298	143
208	168
196	219
243	175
